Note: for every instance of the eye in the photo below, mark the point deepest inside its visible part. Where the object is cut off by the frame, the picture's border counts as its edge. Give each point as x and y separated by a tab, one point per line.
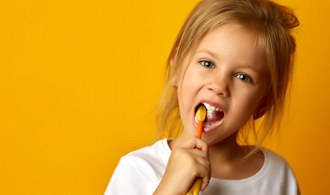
244	77
207	64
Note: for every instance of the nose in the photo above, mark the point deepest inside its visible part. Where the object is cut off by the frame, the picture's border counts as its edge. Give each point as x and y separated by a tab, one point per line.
219	86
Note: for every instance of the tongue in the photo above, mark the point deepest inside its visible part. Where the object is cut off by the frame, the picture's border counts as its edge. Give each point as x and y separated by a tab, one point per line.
214	116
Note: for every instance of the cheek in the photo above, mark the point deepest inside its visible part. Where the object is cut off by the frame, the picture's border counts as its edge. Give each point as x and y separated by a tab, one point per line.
188	83
187	93
247	102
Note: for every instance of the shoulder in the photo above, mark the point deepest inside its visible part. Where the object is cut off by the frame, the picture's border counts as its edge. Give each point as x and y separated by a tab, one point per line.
153	155
159	149
140	168
278	171
275	160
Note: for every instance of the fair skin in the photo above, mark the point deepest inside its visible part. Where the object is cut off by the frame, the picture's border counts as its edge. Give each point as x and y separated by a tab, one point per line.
227	72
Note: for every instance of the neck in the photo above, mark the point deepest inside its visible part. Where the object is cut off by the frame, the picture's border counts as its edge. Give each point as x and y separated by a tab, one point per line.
228	160
225	151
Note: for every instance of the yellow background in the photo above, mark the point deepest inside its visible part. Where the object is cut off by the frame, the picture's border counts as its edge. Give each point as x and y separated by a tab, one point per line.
80	80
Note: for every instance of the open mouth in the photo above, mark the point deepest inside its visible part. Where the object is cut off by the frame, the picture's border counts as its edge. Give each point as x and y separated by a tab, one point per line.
214	115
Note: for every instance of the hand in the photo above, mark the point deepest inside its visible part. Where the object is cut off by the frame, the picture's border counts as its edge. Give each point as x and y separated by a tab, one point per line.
188	161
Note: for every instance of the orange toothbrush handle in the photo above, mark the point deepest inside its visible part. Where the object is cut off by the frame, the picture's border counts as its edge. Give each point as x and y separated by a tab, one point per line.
194	189
199	129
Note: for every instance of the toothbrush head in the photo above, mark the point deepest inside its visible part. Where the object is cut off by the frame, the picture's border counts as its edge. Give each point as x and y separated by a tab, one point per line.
201	113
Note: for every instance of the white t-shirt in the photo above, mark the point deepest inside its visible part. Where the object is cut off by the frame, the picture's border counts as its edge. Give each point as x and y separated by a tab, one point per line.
139	173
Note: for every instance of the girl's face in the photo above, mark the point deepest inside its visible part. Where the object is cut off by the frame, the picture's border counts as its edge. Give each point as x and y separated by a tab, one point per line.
228	75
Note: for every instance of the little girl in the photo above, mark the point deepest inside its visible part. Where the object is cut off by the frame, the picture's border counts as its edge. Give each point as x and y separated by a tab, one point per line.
235	58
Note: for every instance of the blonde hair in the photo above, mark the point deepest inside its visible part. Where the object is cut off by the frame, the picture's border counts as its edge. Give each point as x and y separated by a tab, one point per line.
273	23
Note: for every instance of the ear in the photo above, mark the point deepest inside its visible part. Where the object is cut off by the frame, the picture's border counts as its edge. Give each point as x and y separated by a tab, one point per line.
174	81
173	73
261	109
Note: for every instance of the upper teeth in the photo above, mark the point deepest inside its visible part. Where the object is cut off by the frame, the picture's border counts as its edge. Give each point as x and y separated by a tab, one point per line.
211	108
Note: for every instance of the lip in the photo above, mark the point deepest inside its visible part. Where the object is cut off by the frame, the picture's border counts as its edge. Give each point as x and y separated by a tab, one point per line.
208	128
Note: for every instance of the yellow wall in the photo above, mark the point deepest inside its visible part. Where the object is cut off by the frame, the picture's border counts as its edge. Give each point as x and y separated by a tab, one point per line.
79	82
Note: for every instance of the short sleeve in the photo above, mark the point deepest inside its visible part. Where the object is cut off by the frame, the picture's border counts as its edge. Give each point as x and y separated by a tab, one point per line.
132	176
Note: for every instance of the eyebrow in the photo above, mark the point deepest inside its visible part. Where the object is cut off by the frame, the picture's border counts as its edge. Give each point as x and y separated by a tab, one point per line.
214	55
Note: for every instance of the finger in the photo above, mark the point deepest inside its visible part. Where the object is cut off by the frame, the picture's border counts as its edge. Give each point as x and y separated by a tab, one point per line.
205	173
207	177
199	156
201	145
205	182
194	142
201	167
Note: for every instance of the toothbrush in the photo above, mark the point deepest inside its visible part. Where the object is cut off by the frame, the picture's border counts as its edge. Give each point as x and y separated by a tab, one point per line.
201	114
